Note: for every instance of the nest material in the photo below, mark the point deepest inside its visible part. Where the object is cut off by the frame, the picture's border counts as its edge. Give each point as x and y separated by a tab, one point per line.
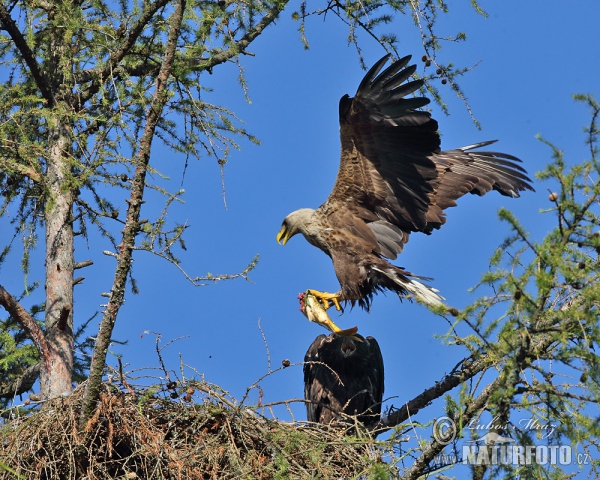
143	435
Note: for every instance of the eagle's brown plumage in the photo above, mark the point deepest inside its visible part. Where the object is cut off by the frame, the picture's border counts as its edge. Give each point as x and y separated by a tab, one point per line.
343	377
393	179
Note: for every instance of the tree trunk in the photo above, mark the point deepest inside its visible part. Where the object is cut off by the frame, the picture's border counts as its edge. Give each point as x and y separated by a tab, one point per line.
56	374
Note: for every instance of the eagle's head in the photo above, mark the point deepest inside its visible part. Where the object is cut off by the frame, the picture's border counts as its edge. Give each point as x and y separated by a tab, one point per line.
295	222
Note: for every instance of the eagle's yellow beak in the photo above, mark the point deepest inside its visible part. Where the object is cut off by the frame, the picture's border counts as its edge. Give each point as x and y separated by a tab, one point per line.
283	235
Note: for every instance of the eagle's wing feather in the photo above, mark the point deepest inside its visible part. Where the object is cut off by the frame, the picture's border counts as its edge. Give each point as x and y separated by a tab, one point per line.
392	174
378	373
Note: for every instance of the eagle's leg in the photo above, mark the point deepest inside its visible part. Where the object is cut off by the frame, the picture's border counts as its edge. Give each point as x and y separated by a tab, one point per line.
326	297
314	311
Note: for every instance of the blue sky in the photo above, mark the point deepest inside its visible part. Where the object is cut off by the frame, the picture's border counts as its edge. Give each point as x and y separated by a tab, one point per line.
522	86
531	56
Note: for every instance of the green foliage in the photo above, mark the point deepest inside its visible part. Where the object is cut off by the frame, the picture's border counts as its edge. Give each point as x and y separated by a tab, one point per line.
6	468
368	16
371	16
79	83
17	353
539	328
380	471
106	112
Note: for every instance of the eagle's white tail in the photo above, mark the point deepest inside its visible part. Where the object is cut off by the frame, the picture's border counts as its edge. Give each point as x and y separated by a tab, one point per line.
424	292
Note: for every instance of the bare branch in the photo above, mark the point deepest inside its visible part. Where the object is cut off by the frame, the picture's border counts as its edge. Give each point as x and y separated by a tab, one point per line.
226	276
78	265
470	367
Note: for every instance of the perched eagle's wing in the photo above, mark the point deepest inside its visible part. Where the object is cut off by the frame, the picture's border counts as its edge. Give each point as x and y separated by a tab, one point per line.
377	378
392	175
313	389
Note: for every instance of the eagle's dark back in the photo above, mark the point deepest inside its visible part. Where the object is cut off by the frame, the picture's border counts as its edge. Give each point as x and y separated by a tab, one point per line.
342	376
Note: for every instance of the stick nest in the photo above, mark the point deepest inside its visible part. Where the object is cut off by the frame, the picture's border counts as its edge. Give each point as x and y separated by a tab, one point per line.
146	434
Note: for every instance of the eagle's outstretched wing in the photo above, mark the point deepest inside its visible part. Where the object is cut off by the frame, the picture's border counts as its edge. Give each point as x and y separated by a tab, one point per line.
393	178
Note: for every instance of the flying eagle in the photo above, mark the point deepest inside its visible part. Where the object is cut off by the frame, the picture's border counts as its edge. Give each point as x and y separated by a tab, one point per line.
393	179
343	377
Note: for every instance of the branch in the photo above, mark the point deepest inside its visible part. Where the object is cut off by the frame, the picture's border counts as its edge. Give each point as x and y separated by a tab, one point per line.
14	308
124	257
435	447
469	369
78	265
119	73
22	384
228	276
108	69
15	34
242	43
20	169
130	40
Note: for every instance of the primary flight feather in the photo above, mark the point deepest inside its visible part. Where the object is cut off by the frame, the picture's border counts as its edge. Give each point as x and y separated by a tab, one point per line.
393	179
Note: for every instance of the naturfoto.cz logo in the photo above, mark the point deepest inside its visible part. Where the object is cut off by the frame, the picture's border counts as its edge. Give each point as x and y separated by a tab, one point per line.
495	449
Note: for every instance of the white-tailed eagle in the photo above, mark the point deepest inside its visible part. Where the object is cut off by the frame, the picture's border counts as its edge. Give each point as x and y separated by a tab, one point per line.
393	179
343	377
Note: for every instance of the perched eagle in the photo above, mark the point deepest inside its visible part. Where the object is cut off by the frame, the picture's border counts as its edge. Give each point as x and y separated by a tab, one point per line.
343	376
393	179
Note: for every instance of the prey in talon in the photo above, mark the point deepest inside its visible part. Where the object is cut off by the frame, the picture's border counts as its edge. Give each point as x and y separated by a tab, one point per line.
315	312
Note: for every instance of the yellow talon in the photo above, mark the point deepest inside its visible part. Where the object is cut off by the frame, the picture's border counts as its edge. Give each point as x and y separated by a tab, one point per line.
326	297
314	311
